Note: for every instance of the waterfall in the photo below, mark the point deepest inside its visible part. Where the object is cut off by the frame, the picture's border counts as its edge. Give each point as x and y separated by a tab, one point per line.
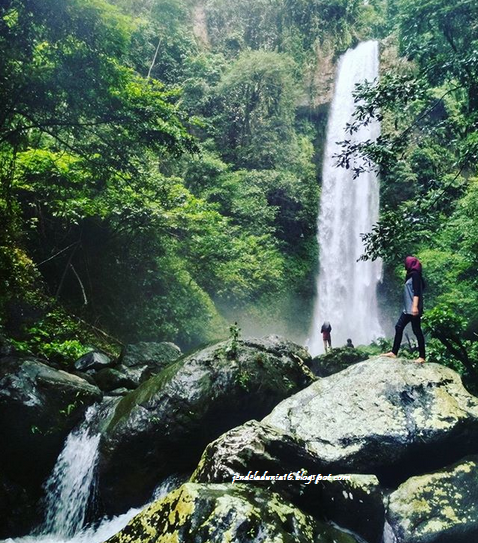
388	535
70	490
70	486
346	289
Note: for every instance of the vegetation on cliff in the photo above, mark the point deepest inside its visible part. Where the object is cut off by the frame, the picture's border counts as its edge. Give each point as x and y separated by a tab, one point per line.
159	165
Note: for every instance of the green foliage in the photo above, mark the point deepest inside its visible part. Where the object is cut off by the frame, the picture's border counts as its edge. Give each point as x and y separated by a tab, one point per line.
449	328
152	184
234	334
49	338
257	108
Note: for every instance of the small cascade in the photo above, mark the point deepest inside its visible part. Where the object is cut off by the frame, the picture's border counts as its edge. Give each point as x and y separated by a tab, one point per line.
70	487
346	287
388	535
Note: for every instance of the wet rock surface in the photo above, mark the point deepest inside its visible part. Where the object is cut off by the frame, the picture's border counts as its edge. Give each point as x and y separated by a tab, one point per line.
390	418
225	513
440	507
256	448
93	360
39	406
140	361
164	425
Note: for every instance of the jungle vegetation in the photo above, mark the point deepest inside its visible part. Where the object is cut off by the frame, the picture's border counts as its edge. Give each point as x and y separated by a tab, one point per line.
160	165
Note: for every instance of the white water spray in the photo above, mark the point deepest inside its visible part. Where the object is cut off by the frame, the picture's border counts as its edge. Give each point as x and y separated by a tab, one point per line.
70	487
346	289
388	535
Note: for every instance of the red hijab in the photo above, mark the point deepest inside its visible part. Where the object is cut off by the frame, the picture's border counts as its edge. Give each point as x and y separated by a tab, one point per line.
413	264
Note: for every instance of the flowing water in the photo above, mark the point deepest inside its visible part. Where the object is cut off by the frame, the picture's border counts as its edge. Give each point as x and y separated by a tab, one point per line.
70	491
388	535
346	288
70	488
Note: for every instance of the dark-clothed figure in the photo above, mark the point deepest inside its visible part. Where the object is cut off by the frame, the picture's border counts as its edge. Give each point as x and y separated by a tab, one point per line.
325	331
349	344
412	308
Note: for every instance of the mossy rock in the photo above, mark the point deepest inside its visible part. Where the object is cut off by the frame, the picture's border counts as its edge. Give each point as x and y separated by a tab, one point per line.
355	503
226	514
163	426
336	360
440	507
391	418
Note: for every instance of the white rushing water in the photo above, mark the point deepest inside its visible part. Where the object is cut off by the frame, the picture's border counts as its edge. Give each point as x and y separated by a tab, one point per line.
388	535
70	487
346	289
70	492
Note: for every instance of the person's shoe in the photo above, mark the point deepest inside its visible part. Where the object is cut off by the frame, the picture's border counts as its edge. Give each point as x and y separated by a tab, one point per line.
420	360
389	355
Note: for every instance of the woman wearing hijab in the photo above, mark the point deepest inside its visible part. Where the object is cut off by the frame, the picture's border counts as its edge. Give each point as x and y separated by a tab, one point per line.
413	308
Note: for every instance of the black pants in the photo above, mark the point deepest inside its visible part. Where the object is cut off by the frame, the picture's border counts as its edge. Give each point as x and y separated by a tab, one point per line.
404	319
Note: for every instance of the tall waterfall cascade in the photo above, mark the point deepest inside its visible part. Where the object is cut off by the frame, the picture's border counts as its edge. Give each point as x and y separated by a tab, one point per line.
346	287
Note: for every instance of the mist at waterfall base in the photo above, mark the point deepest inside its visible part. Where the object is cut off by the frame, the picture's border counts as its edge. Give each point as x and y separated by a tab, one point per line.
70	493
346	286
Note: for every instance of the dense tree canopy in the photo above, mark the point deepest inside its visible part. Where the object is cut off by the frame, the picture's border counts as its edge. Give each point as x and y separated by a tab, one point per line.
159	165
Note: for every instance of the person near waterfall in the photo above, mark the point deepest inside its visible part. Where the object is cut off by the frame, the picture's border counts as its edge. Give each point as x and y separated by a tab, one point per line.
413	308
325	331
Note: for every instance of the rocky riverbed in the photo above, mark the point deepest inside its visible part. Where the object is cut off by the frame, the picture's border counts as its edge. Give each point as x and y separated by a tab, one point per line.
399	439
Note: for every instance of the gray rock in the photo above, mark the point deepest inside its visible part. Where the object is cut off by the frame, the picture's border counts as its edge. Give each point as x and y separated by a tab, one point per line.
140	361
83	375
39	406
393	418
92	361
118	392
163	426
356	503
138	374
110	378
149	354
221	513
440	507
255	447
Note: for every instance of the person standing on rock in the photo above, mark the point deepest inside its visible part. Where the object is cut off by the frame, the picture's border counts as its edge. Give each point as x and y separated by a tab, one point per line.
325	331
413	308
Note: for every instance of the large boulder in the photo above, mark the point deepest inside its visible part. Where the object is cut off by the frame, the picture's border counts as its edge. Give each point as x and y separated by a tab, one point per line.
392	418
163	426
336	360
39	406
257	449
222	513
149	352
440	507
139	361
109	379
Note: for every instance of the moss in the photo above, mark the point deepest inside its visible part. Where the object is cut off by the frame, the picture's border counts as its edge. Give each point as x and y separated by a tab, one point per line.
225	513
